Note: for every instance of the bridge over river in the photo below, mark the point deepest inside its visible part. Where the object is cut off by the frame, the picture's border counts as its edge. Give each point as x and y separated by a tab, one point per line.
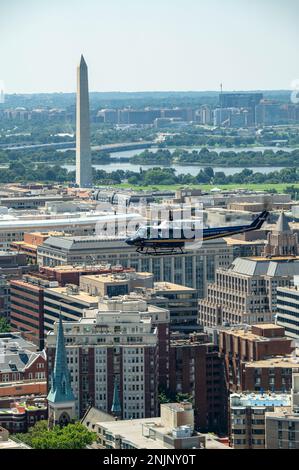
63	146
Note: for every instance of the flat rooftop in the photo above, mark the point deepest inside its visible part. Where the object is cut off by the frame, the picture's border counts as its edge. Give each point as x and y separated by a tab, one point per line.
169	286
261	399
133	429
235	241
80	295
115	277
273	258
289	361
11	444
247	334
283	414
79	268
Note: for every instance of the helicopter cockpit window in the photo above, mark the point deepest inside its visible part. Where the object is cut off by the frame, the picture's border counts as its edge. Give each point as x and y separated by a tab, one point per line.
141	232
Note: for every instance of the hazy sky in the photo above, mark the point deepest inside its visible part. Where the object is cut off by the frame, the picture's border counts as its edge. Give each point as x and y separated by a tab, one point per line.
149	45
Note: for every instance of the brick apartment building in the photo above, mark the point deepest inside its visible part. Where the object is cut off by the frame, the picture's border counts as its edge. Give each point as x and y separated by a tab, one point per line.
243	349
23	369
27	306
256	359
196	369
114	344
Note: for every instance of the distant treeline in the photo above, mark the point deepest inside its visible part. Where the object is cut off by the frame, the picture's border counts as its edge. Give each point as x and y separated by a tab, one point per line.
133	99
227	158
42	172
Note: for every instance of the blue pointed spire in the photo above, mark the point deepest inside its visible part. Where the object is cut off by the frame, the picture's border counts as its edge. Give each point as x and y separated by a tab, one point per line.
61	390
116	406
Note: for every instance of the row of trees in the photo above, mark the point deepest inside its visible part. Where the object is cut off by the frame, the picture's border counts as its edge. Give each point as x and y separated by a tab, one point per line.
19	172
48	155
225	158
167	176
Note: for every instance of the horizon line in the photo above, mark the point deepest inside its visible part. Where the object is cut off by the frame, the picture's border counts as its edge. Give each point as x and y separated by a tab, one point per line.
253	90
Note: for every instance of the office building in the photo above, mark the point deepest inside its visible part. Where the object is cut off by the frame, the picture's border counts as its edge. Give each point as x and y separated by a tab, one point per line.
221	116
245	293
239	100
186	114
32	202
110	116
13	228
30	243
205	115
193	269
26	296
27	306
181	302
13	265
288	309
114	284
271	112
67	302
138	116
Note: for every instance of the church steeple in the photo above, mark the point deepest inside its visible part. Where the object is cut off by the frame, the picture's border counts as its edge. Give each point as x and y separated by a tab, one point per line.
116	406
61	399
281	241
282	224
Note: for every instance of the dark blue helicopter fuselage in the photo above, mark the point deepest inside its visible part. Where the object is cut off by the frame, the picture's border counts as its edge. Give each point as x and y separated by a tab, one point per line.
177	238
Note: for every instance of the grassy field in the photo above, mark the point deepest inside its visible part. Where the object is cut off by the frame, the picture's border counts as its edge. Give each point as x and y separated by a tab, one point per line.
207	187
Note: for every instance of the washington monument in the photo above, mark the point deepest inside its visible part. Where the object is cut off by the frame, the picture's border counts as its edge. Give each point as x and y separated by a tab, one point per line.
83	154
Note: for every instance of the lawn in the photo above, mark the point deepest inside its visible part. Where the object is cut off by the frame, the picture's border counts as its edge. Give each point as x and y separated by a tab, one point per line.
280	187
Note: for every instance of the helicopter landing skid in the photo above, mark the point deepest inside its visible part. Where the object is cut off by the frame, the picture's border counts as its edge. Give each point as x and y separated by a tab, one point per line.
158	252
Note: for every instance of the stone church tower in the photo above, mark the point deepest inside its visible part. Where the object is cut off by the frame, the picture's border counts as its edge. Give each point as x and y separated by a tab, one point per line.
281	241
61	400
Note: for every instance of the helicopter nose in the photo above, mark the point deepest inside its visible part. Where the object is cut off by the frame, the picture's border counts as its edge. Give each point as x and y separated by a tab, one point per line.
129	241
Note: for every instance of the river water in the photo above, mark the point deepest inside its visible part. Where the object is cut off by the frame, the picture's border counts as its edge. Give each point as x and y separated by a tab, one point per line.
184	169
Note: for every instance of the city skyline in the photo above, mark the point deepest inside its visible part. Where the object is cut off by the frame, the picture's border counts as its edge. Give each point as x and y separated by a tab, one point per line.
177	46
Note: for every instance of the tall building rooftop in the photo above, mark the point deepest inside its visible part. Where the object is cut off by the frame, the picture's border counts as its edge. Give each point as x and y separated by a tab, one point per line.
260	399
259	266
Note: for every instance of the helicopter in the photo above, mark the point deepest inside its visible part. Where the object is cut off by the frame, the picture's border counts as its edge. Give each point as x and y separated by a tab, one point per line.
151	240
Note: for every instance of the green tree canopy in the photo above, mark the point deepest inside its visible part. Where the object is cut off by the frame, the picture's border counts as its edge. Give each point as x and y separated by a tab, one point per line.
72	436
4	325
